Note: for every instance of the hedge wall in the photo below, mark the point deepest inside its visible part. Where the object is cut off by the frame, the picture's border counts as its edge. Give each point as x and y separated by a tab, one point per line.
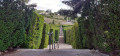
35	32
53	34
55	29
45	36
56	35
64	31
18	27
94	34
12	32
73	34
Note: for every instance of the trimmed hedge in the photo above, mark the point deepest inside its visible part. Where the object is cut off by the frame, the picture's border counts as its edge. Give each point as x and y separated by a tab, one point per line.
68	36
73	34
35	32
64	31
98	30
45	36
89	34
55	29
12	31
80	35
53	34
56	35
18	27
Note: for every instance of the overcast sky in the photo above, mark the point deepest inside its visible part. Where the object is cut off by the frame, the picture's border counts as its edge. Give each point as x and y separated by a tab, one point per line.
53	5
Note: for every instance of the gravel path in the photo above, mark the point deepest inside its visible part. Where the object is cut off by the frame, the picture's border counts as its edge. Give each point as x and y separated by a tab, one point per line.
64	50
69	52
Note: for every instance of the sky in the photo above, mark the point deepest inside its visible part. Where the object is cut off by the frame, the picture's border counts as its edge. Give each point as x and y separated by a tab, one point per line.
53	5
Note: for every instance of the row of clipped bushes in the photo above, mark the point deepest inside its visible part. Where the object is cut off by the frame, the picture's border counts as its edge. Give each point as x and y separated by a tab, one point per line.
66	28
45	36
21	26
55	30
56	35
71	36
12	28
34	35
99	26
13	32
46	31
87	35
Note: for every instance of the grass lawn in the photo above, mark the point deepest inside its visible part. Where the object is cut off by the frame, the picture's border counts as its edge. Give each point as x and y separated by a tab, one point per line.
65	27
55	26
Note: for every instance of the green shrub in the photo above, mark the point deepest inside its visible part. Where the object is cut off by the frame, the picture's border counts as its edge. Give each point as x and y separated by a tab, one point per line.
97	30
56	35
35	32
45	36
64	31
55	30
68	35
47	39
88	35
76	44
73	34
12	31
53	34
18	27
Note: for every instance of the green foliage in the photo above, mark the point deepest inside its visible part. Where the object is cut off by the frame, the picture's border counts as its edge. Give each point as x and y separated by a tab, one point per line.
45	36
18	27
73	34
54	26
36	29
56	35
108	32
64	31
55	29
12	26
68	35
12	31
99	24
53	34
66	27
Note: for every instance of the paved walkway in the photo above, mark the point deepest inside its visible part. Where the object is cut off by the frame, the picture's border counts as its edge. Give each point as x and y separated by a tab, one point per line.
64	50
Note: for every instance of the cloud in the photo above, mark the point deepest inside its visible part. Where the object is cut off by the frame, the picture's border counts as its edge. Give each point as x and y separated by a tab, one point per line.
53	5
